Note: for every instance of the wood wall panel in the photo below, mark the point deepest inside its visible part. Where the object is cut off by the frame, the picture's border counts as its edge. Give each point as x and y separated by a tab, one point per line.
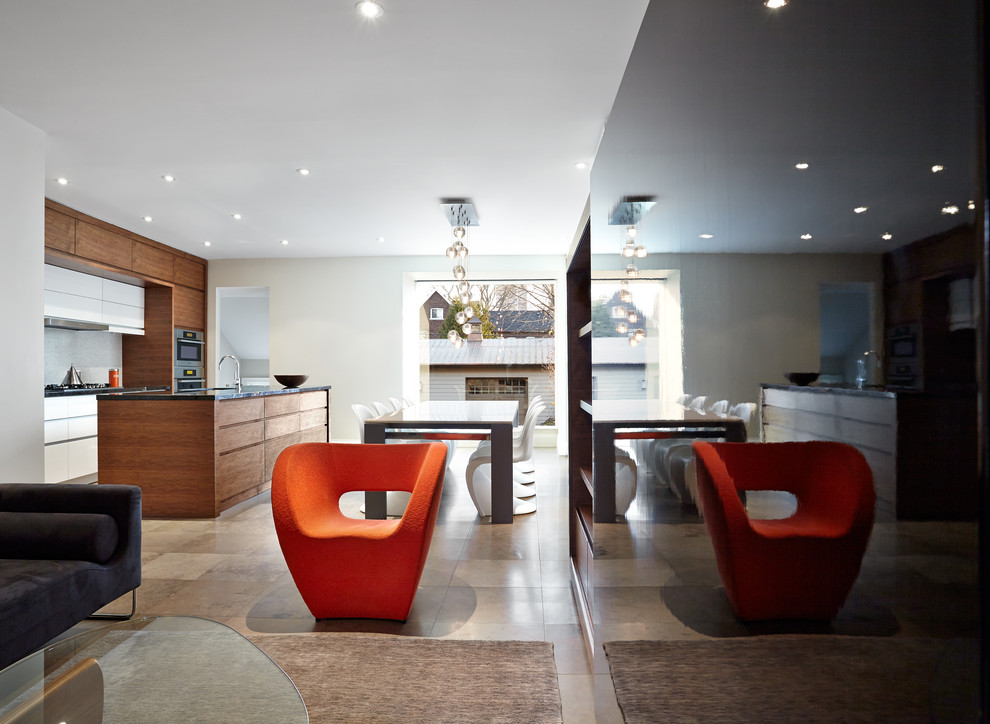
60	231
189	308
99	244
190	273
152	261
147	360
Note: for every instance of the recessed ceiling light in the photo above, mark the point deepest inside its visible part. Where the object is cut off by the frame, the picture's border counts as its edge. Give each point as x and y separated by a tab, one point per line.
380	239
806	236
207	243
302	171
971	205
706	236
284	242
236	216
774	4
860	209
801	166
887	237
937	167
370	9
148	219
950	209
168	178
580	165
62	181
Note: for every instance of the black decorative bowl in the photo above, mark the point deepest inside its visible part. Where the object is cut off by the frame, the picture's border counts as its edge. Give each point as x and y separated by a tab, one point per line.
801	378
296	380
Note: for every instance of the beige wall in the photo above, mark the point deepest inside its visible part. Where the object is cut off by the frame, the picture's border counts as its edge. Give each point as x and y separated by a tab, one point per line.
22	365
317	328
748	318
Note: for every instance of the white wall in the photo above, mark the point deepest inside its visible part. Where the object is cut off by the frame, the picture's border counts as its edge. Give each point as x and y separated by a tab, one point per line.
749	318
22	238
340	320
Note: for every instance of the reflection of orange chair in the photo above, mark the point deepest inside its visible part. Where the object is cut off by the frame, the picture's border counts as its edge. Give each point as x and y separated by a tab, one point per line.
353	568
797	567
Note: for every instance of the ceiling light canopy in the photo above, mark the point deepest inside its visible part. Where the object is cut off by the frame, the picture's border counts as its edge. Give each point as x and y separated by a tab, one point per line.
370	9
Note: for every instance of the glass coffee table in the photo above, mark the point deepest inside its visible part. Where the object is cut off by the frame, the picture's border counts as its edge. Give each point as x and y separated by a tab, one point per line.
152	669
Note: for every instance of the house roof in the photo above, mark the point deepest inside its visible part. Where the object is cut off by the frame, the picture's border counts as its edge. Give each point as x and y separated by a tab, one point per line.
507	351
530	321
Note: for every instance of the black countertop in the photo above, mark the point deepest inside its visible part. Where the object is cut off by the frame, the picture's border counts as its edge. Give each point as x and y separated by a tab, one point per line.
834	390
102	391
213	393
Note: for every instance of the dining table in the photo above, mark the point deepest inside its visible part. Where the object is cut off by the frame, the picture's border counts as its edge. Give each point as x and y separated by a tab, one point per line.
453	420
613	420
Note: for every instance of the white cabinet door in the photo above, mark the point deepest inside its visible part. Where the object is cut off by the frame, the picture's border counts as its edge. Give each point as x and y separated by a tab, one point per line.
56	430
56	407
56	463
82	426
80	405
121	293
72	282
83	457
71	306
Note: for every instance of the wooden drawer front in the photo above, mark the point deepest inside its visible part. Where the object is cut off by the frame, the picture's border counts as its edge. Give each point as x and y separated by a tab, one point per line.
868	409
282	425
188	308
235	436
239	470
60	231
276	446
189	273
282	404
231	412
99	244
312	400
312	418
314	434
821	402
152	261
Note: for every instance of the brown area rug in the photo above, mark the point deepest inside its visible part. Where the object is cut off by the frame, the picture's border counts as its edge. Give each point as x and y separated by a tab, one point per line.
373	678
799	678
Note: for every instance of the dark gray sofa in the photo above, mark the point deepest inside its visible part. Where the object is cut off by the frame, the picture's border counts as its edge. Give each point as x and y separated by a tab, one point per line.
65	551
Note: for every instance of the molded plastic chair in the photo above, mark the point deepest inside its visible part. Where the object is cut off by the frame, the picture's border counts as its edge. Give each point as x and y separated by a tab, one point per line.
801	567
347	568
381	408
478	471
395	500
522	470
625	481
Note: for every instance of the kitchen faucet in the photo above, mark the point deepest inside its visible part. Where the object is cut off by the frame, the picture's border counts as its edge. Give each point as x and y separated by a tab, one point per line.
237	369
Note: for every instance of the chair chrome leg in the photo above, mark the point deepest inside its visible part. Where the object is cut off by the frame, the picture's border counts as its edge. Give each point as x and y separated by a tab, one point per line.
119	616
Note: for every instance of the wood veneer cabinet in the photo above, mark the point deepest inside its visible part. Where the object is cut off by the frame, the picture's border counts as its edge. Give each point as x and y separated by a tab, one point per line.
195	456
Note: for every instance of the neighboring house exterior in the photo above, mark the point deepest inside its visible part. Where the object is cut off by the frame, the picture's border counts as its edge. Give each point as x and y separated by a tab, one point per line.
522	323
435	308
618	371
494	369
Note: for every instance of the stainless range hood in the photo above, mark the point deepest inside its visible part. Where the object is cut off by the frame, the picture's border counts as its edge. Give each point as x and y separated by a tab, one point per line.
76	325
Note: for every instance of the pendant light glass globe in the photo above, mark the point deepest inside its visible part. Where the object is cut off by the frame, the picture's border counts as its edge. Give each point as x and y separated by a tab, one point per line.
620	311
464	288
469	311
453	335
633	317
629	250
633	342
462	251
459	272
625	296
458	341
459	232
621	328
461	317
632	232
451	252
458	244
640	251
639	334
632	272
467	328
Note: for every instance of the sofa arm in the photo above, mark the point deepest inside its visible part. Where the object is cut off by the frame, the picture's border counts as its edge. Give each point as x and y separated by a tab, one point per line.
121	502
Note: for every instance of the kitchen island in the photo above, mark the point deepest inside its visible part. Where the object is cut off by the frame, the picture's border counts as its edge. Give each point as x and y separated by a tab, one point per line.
196	453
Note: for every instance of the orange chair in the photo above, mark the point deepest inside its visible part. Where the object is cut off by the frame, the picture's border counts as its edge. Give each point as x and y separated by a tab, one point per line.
800	567
345	567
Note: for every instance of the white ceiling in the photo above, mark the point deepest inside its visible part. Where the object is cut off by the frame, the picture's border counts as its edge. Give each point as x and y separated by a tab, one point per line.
491	100
722	98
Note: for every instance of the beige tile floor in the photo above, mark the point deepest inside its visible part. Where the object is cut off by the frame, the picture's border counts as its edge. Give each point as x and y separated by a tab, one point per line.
656	580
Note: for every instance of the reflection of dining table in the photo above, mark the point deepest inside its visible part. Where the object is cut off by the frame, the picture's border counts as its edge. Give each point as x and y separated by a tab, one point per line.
453	420
613	420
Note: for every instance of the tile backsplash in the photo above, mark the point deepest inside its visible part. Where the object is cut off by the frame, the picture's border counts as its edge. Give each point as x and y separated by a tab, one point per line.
93	354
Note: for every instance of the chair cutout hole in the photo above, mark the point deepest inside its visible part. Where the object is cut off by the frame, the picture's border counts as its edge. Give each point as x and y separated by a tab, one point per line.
352	504
770	504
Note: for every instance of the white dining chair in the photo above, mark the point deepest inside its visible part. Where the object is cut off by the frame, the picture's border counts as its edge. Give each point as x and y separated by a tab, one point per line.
626	474
395	500
380	408
477	474
523	470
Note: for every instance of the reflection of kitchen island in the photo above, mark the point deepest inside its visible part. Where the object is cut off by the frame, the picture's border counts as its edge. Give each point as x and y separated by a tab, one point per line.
195	454
921	446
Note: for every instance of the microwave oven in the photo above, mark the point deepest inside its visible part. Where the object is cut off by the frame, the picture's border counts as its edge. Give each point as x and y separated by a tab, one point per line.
190	348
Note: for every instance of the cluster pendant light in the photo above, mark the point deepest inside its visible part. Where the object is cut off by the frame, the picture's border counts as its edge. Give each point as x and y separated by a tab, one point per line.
628	213
461	215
